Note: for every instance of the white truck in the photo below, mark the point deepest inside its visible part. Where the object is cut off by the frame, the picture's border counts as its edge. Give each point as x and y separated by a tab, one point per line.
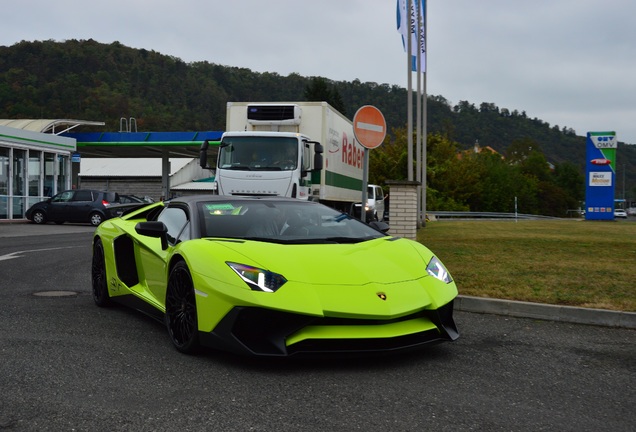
303	150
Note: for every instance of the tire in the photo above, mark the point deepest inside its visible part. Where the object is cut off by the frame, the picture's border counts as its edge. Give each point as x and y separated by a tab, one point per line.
39	217
181	310
96	219
98	276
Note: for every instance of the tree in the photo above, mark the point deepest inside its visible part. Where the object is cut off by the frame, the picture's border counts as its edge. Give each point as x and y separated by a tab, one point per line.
553	201
389	161
495	185
318	89
450	178
569	178
520	149
535	165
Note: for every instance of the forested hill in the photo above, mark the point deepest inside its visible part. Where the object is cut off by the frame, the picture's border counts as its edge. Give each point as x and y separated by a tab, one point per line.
88	80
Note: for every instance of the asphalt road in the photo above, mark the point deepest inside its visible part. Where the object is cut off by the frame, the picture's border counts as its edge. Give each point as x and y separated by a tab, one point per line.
66	365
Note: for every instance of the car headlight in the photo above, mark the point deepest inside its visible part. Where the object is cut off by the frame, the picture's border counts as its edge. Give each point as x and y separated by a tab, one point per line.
258	279
436	269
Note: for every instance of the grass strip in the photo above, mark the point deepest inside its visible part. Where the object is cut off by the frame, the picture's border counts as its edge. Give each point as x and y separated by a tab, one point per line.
563	262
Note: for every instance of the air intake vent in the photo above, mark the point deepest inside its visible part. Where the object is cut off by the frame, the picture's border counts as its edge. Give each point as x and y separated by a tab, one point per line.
274	114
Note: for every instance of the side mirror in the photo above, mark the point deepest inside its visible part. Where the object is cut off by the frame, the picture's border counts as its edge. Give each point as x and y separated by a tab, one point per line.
317	161
203	154
318	150
380	226
154	229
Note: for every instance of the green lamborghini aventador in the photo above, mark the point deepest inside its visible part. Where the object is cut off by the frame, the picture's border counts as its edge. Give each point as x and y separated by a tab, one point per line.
272	277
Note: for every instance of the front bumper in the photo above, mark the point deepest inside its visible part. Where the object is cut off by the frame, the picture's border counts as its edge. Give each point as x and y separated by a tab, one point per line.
266	332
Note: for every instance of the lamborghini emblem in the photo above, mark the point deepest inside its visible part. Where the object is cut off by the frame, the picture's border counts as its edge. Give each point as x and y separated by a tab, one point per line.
381	295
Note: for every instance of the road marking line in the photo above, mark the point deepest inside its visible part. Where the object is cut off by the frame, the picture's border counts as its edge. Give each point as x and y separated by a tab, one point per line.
13	255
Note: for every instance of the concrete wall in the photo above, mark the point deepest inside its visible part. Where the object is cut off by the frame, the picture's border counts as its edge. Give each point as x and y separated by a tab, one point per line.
192	171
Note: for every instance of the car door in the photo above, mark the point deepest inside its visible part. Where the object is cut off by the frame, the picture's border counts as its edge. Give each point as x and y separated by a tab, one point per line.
154	260
379	202
80	206
58	207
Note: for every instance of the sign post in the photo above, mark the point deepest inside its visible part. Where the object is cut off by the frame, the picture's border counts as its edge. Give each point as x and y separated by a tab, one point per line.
369	128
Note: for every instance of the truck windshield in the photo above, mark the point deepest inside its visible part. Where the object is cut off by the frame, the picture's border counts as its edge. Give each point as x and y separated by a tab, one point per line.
258	153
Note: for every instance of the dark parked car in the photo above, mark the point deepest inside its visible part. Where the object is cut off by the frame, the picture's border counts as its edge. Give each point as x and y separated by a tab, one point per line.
80	206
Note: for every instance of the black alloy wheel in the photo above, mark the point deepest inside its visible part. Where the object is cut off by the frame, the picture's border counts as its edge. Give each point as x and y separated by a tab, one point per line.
98	276
181	310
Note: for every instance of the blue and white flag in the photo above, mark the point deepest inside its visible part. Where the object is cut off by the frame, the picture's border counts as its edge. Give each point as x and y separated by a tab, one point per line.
415	25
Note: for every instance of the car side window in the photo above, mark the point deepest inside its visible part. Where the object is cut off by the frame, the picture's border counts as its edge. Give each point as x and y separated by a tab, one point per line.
111	197
63	197
82	195
176	220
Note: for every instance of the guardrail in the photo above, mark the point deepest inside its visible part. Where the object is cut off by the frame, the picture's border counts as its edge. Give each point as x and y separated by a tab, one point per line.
441	215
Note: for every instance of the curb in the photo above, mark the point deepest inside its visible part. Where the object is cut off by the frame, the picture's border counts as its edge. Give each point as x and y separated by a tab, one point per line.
568	314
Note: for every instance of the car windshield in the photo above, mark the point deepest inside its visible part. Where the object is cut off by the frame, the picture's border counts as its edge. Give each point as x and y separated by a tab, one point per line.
250	153
281	222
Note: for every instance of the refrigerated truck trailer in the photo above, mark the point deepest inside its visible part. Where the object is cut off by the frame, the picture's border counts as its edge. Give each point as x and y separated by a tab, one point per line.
303	150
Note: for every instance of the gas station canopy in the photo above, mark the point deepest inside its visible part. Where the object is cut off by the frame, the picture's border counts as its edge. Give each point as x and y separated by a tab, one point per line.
119	144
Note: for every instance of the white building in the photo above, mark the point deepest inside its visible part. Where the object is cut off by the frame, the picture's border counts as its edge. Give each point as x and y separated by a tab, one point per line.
33	165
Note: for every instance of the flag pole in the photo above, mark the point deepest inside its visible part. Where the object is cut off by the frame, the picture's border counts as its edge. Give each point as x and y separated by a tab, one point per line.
418	163
409	105
424	119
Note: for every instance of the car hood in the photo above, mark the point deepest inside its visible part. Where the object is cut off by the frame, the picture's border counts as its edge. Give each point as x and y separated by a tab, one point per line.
337	280
386	260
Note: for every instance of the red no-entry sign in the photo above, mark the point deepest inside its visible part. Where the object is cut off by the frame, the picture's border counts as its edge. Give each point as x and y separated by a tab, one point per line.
369	126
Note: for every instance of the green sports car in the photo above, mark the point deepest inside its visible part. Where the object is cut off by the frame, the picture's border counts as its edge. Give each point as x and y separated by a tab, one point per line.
272	277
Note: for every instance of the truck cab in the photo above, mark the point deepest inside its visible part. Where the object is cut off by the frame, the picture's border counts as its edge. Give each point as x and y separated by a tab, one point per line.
266	163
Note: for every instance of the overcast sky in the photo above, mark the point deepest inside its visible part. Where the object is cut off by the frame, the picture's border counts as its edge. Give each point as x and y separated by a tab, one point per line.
569	63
